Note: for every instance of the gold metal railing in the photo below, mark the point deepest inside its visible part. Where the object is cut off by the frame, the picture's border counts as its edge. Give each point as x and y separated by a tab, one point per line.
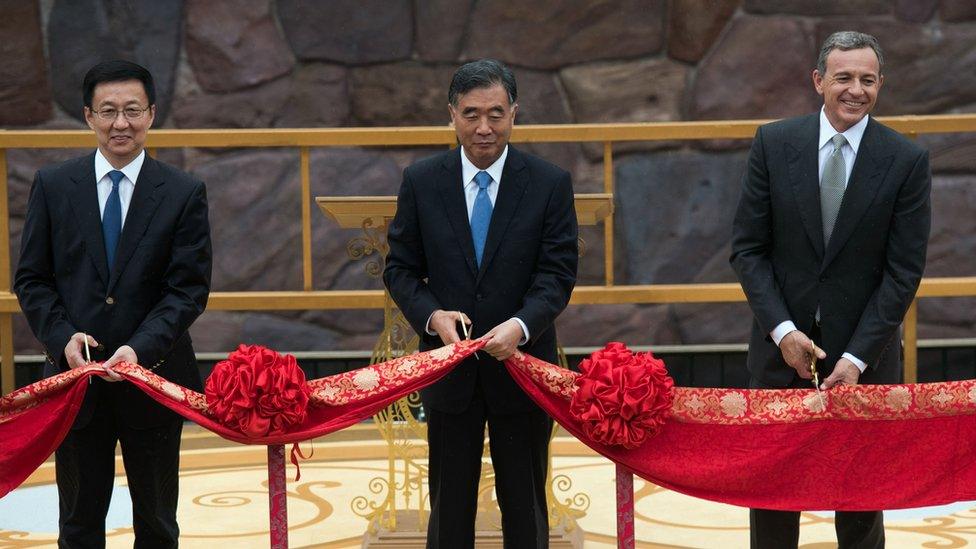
306	139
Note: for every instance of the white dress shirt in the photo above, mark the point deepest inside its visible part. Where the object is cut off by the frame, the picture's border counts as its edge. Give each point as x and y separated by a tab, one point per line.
468	171
849	151
127	186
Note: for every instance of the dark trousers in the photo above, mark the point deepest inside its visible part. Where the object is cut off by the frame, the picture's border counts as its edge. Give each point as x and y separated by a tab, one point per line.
519	445
771	529
781	529
85	470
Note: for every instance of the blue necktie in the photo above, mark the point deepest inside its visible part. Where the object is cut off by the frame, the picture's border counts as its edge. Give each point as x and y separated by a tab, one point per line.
112	218
481	214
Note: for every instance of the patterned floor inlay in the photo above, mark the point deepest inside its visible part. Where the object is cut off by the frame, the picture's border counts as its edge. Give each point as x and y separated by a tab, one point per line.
223	501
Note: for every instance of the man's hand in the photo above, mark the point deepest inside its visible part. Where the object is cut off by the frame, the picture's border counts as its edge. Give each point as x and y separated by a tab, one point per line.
74	351
444	323
845	373
503	339
123	354
797	351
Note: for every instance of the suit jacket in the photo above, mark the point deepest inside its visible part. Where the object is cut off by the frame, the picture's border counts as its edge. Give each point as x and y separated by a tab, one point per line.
528	267
863	279
157	287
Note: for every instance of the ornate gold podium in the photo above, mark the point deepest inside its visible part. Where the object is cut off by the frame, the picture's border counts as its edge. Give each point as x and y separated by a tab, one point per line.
397	505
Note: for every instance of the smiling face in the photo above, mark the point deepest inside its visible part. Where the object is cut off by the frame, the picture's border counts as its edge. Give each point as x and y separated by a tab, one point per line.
849	86
120	139
483	120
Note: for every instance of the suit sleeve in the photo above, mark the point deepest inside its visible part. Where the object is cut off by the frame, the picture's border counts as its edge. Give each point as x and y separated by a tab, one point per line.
752	242
908	237
406	264
555	270
34	280
186	284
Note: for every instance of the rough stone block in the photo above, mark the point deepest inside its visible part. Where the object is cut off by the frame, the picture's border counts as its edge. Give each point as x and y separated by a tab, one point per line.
25	95
234	44
82	33
694	25
348	31
549	34
760	69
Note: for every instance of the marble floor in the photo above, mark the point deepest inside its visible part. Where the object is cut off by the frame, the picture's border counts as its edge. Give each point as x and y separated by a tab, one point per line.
223	501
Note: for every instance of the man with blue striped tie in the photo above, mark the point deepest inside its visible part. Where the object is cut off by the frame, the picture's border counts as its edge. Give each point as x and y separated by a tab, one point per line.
486	235
115	254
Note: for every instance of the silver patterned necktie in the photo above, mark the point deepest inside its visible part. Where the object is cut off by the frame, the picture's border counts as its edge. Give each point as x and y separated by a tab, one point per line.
832	186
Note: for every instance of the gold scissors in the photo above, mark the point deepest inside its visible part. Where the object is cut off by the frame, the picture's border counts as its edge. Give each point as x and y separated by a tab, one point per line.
465	330
816	378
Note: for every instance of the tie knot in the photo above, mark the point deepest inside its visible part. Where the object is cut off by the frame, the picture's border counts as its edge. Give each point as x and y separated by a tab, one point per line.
482	179
839	141
115	176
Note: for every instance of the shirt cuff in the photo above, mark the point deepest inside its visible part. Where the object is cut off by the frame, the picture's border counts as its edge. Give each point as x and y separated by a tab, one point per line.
525	331
427	326
857	362
780	331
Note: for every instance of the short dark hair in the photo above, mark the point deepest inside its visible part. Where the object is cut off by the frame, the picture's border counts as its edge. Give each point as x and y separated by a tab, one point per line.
117	70
482	73
848	40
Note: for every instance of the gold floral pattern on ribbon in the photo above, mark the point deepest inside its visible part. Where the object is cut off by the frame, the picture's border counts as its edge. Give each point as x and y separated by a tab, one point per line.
195	400
881	402
770	406
372	380
559	381
25	398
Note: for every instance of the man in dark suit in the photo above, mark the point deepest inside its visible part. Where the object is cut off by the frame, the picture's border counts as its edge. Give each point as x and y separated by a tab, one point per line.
486	235
829	244
116	250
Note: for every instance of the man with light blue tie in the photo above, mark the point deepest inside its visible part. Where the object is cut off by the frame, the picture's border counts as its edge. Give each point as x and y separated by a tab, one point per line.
116	251
829	245
485	235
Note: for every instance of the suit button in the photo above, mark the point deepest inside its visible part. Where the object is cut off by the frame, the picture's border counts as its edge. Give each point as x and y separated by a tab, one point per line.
110	300
479	297
823	279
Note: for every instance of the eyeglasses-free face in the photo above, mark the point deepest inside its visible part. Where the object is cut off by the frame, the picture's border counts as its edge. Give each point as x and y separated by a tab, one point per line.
120	138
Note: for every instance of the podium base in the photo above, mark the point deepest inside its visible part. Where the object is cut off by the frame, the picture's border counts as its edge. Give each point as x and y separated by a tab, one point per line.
409	536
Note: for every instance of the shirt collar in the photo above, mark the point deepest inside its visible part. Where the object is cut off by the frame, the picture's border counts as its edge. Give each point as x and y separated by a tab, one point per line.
853	134
469	170
131	170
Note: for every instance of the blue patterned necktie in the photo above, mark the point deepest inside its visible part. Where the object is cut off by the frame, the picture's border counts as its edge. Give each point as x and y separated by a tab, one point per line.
481	214
112	218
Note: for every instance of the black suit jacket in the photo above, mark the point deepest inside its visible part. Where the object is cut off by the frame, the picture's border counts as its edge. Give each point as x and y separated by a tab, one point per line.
157	287
864	279
528	267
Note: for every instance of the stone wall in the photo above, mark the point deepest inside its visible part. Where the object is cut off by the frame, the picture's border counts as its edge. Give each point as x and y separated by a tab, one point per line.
300	63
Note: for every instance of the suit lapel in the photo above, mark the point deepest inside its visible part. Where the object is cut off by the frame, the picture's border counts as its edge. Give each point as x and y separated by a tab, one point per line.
84	202
145	199
510	191
450	188
801	158
866	177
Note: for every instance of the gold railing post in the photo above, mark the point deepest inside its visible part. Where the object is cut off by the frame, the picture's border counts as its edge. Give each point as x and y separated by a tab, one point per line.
6	320
7	353
608	221
306	220
911	343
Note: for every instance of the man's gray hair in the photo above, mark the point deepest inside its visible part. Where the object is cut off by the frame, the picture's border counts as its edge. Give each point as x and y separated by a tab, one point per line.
848	40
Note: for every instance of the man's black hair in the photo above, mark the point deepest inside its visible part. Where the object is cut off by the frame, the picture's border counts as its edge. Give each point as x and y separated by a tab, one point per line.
117	71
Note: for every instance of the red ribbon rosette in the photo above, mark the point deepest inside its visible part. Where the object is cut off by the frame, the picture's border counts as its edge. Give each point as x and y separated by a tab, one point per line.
257	391
622	398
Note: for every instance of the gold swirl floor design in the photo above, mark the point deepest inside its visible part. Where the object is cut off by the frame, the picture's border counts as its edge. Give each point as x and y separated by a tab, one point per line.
223	501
